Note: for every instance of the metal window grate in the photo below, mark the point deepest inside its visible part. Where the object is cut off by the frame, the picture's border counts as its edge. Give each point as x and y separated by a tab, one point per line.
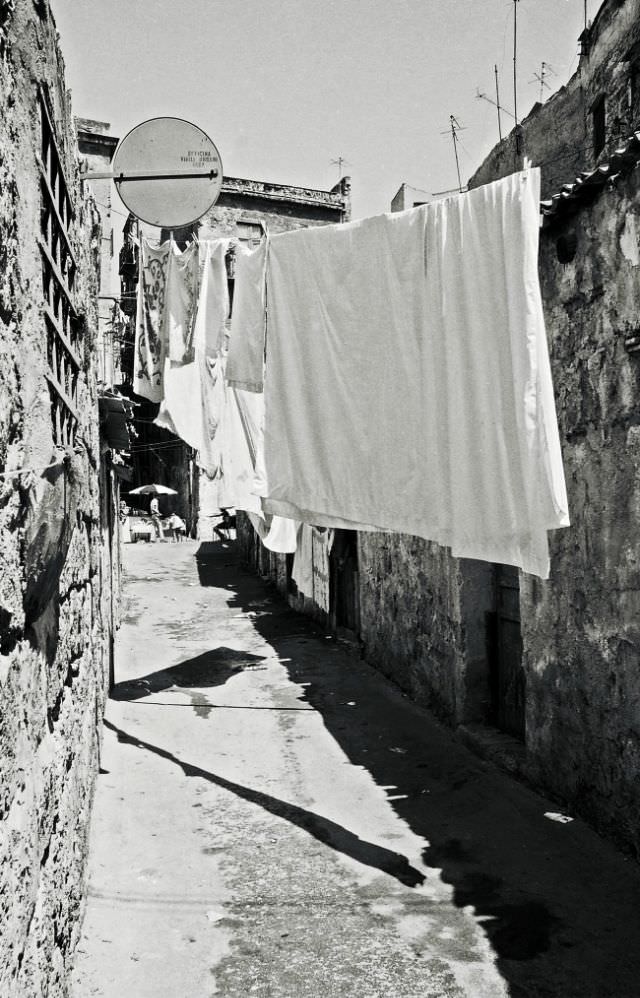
59	269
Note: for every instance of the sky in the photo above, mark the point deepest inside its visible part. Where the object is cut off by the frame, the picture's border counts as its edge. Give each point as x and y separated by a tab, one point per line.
285	87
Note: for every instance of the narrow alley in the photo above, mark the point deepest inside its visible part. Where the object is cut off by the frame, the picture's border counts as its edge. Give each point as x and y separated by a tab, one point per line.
274	819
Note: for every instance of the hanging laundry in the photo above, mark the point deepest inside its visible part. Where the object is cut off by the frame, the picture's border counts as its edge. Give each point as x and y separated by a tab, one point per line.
302	569
238	438
182	288
239	445
408	383
150	337
246	343
193	388
282	536
321	545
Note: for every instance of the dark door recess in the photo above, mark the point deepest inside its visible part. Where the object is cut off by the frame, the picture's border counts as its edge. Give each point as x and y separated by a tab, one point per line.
508	676
344	595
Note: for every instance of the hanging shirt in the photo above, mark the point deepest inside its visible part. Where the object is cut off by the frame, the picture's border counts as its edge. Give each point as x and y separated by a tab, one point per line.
190	407
182	286
408	383
246	344
150	337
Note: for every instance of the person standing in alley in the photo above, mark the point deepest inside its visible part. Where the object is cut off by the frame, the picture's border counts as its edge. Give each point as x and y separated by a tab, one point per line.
154	510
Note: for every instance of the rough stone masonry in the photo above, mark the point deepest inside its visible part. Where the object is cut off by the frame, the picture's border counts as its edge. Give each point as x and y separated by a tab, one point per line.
54	573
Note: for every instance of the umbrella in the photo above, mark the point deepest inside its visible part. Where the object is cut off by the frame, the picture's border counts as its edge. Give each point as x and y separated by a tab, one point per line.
153	490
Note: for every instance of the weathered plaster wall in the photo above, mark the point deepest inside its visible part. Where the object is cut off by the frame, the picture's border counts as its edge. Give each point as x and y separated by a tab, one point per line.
278	206
423	624
581	629
54	583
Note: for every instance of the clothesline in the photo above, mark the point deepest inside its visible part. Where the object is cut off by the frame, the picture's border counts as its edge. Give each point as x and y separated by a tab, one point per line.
407	384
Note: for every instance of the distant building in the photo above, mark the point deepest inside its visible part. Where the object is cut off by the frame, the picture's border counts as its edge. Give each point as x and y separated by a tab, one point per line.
97	147
409	197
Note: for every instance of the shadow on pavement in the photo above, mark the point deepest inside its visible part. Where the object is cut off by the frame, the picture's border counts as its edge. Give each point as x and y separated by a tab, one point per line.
210	669
558	905
322	829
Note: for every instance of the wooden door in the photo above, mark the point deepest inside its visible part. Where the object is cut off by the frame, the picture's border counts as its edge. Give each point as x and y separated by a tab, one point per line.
509	677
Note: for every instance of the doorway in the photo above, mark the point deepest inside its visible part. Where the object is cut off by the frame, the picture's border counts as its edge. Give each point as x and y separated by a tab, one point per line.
508	680
344	591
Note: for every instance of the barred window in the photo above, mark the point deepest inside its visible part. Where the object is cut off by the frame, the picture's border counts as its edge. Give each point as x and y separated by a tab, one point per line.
58	278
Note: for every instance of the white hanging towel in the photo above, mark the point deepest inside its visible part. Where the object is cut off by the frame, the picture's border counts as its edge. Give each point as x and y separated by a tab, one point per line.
150	338
238	436
245	362
239	444
408	383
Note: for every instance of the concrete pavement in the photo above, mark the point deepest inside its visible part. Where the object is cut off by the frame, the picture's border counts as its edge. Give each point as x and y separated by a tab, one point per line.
274	819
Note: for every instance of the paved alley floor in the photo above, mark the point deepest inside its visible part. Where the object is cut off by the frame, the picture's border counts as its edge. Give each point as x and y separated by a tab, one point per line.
274	819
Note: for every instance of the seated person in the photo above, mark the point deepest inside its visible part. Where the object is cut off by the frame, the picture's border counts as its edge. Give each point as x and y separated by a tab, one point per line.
228	523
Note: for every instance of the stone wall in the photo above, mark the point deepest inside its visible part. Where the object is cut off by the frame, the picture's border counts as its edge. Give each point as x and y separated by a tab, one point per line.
55	572
581	629
423	622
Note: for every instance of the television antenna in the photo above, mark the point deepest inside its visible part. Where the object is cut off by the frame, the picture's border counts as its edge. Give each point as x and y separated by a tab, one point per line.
541	78
454	128
495	103
515	59
340	162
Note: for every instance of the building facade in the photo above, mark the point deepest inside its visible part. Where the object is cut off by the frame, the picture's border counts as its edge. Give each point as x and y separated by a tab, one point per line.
97	147
544	676
57	511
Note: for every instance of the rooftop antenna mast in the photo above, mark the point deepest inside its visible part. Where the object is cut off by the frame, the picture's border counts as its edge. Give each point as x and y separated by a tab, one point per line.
496	103
455	128
340	162
515	60
545	70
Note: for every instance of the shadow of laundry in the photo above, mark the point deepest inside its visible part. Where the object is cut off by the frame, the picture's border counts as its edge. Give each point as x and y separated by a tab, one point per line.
210	669
517	929
323	829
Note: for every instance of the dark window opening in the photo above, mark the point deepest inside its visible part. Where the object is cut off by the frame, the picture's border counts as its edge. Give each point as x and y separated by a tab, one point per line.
250	233
566	247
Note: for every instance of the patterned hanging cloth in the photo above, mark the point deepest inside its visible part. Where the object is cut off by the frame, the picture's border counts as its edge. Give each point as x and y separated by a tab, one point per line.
150	339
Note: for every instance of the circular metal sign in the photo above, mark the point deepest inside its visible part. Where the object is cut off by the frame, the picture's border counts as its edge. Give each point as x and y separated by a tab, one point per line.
168	172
